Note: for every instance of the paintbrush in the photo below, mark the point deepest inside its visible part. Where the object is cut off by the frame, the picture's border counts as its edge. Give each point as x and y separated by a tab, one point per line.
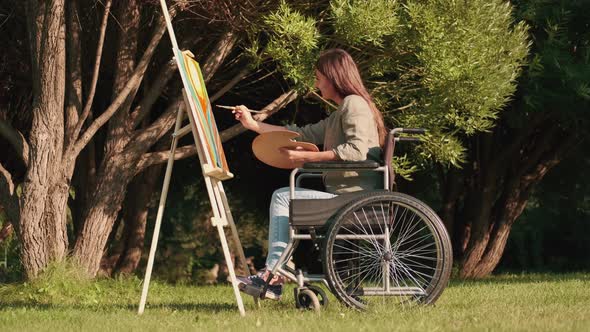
233	108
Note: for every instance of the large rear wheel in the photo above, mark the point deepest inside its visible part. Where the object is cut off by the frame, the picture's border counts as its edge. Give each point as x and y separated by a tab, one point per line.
387	247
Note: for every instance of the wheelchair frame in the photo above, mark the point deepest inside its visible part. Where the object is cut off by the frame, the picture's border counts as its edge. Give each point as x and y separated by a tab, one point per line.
307	295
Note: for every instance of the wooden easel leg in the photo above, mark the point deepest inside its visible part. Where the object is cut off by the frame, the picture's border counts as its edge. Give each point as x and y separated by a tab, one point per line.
234	230
163	195
220	203
235	236
230	267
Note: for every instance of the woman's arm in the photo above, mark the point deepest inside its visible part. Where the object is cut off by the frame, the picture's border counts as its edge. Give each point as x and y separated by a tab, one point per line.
243	115
300	157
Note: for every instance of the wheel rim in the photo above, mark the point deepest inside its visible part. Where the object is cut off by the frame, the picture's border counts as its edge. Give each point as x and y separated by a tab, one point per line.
385	248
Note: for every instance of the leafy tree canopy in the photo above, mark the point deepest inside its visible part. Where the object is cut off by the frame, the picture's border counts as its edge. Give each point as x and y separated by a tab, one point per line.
443	65
558	76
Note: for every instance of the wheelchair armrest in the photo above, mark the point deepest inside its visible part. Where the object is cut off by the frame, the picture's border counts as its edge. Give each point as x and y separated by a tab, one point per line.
342	165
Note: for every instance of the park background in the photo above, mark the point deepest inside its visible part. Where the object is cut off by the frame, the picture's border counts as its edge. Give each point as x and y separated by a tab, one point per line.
89	91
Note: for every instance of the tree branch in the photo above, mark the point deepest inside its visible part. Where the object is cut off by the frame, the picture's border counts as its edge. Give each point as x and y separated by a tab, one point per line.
8	195
220	52
508	151
73	71
550	159
5	231
147	137
545	146
159	157
235	80
269	110
7	180
35	13
154	91
154	132
16	139
118	130
133	82
518	189
99	48
152	95
211	65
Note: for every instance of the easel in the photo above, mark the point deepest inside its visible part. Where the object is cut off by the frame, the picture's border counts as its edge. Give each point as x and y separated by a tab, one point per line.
213	164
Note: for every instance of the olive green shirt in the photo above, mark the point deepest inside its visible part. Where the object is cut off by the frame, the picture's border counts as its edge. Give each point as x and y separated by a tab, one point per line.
352	134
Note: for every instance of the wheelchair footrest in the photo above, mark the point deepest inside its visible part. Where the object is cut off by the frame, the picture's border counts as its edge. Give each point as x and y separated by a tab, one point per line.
251	290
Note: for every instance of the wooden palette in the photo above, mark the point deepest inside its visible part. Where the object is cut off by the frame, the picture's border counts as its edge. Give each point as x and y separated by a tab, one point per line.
266	148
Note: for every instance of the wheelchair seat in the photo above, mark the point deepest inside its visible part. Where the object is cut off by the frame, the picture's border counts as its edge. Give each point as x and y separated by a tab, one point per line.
315	213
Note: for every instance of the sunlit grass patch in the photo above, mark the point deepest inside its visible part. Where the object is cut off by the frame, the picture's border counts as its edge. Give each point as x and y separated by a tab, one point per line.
528	302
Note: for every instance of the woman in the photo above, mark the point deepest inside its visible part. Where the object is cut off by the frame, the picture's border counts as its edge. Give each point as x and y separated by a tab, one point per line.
354	132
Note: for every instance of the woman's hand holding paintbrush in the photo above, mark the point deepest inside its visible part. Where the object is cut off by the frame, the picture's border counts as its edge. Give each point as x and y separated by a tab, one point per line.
243	114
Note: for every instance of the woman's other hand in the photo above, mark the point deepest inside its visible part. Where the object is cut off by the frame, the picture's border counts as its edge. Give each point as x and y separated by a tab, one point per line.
297	156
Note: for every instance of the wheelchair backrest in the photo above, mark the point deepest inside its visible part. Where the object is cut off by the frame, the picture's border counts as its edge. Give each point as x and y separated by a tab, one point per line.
387	159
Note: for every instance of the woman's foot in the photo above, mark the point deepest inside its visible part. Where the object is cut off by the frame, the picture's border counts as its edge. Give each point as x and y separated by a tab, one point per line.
274	290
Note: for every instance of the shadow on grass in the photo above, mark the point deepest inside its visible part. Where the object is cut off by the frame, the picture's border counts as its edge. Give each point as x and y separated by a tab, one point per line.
208	307
524	278
198	307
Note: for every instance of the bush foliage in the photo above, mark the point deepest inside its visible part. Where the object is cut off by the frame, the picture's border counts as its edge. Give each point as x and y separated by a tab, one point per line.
442	65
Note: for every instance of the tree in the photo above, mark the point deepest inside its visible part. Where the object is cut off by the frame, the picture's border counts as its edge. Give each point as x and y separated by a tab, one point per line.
535	133
550	235
41	205
68	122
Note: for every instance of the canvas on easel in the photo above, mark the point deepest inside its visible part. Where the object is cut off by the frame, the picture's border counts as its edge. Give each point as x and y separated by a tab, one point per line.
198	99
214	165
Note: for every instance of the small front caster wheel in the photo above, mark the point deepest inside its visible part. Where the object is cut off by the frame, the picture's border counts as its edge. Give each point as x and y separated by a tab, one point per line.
321	295
307	299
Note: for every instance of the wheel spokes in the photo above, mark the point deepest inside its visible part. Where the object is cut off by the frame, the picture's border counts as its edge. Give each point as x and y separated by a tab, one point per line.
385	245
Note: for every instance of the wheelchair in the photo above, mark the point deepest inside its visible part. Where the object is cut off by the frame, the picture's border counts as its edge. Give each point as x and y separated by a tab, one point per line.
376	246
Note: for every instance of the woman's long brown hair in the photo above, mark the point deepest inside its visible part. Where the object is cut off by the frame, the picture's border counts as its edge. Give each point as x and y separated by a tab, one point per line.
339	67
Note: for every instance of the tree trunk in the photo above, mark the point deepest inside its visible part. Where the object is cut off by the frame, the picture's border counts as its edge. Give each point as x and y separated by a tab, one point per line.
498	186
84	182
493	254
479	235
42	204
450	192
115	247
140	193
126	250
508	208
104	206
118	136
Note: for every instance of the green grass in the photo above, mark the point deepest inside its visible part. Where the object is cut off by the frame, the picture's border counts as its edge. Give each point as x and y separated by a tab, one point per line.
508	302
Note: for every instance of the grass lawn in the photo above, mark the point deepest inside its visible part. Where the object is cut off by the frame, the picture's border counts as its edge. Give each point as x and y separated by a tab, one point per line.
529	302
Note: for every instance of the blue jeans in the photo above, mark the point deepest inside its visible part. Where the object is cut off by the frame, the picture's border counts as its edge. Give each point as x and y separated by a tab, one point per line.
278	229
